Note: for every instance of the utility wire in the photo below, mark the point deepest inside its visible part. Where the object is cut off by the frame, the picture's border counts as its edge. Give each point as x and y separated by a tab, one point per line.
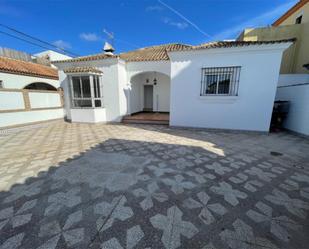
16	37
34	38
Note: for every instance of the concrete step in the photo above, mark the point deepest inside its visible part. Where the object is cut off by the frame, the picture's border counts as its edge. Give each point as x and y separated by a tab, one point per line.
134	121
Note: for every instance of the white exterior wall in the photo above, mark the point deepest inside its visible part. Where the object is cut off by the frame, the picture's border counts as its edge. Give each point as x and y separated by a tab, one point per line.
295	88
20	81
88	115
109	79
250	110
123	88
44	100
17	118
11	101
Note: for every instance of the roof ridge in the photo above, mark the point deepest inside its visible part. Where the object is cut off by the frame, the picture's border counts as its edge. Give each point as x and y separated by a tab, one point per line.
156	46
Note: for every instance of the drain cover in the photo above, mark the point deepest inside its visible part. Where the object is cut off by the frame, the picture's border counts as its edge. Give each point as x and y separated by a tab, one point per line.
275	153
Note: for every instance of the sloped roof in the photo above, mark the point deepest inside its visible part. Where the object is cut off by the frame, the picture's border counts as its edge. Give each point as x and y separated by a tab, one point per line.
13	66
228	44
290	12
100	56
160	52
82	70
153	53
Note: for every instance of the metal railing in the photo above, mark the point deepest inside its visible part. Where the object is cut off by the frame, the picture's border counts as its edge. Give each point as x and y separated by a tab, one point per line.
222	81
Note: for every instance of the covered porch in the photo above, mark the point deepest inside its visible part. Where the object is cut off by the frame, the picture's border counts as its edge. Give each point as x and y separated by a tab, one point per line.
149	92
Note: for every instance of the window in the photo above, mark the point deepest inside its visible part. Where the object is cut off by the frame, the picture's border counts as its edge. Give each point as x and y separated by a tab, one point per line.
1	84
86	91
299	19
220	81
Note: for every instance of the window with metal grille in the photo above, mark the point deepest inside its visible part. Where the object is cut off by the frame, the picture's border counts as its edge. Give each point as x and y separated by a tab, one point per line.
220	81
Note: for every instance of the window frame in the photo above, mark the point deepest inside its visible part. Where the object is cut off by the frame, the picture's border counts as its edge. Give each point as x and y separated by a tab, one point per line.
92	97
299	19
234	76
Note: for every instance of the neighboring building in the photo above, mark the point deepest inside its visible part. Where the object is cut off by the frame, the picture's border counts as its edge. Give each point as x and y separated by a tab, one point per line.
51	55
226	85
293	24
19	74
28	92
293	84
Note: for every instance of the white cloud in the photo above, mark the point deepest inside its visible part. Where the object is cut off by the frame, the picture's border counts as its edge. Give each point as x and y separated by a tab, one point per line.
62	44
89	37
154	8
263	19
179	25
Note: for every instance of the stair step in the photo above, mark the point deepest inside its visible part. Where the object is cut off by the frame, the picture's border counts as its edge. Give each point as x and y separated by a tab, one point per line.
131	121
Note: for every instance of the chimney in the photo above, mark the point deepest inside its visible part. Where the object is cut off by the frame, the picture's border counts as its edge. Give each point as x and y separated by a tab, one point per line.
108	48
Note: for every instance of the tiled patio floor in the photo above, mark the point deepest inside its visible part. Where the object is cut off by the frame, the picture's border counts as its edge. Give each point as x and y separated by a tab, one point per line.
68	185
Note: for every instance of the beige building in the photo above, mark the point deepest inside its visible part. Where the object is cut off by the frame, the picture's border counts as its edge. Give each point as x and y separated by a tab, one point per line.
293	24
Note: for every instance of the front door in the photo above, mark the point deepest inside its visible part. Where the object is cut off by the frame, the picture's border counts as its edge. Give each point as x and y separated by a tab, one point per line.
148	98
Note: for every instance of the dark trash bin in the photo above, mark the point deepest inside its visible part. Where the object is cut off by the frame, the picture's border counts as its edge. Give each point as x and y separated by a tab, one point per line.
280	112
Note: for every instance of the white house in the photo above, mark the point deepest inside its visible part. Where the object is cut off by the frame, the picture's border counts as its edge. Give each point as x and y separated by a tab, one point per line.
51	55
225	85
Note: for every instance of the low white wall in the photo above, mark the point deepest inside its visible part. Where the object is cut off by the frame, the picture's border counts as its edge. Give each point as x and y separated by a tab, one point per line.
17	118
250	110
295	88
11	100
88	115
44	100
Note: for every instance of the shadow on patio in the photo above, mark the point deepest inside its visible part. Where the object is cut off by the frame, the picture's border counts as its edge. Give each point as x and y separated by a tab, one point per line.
126	193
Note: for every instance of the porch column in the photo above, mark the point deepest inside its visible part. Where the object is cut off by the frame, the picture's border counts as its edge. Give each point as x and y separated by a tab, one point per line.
92	90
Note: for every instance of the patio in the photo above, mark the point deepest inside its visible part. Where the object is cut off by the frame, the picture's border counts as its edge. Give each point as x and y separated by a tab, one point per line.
70	185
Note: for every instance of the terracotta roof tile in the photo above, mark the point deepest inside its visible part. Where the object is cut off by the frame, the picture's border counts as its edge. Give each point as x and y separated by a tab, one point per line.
228	44
153	53
14	66
82	70
100	56
160	52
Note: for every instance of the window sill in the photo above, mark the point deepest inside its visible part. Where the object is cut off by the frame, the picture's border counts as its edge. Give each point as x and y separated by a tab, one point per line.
219	99
87	108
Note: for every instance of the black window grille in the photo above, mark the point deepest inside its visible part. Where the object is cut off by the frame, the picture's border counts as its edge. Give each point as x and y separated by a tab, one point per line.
220	81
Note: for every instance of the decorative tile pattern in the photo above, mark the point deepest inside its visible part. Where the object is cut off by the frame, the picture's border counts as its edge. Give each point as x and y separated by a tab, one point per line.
114	186
173	227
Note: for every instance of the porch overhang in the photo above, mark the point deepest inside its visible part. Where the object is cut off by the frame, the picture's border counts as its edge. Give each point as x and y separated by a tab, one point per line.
82	70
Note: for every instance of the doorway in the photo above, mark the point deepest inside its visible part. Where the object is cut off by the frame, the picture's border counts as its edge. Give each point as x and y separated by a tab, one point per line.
148	98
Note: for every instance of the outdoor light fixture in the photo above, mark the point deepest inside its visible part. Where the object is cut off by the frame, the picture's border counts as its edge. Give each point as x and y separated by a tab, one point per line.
155	80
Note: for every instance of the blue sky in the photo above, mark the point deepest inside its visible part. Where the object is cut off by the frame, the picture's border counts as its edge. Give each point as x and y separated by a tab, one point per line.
78	25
